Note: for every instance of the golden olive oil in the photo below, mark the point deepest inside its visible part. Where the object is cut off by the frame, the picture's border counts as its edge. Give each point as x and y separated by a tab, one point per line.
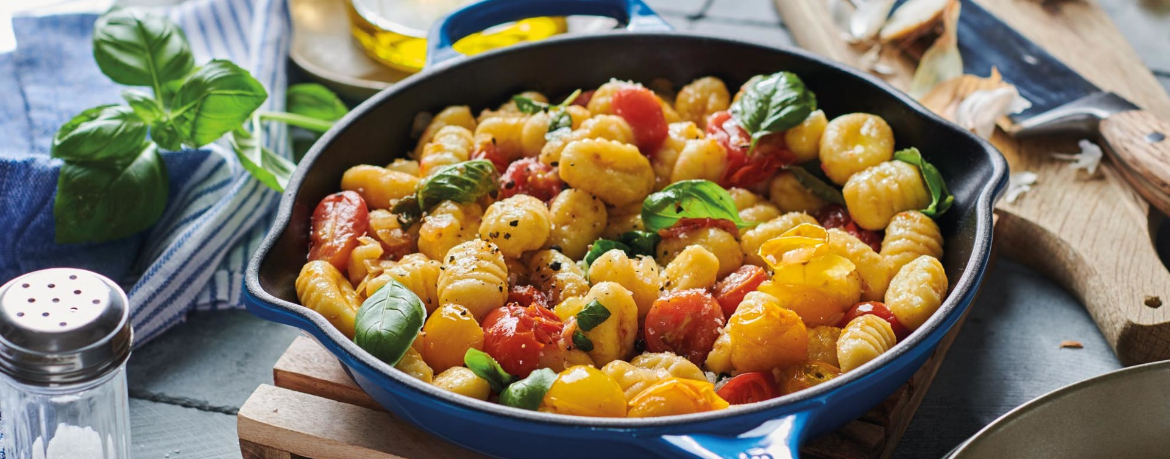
393	32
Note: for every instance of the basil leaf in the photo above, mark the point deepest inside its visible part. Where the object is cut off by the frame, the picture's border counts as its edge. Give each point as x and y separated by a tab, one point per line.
582	342
774	103
559	119
166	136
689	199
143	105
486	367
266	166
138	49
109	200
214	101
640	242
407	210
103	133
940	197
462	182
817	186
529	392
315	101
592	315
389	321
601	246
528	106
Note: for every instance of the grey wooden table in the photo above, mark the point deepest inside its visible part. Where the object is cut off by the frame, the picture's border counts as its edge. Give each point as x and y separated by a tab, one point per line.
186	387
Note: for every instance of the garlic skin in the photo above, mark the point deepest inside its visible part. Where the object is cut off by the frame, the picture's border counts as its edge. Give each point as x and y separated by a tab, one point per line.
867	20
1018	184
940	62
979	111
1087	160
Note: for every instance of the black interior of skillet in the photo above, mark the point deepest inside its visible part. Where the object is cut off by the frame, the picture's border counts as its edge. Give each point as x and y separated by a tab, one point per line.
558	67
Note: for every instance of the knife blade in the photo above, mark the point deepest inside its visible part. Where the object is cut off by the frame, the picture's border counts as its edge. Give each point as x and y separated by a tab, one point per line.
1064	102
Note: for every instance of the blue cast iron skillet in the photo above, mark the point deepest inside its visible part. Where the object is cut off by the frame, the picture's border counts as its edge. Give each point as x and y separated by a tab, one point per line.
379	130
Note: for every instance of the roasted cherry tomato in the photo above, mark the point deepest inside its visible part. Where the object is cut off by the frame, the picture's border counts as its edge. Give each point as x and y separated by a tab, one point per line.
804	375
531	177
685	322
584	98
640	108
487	150
525	295
687	224
835	216
742	170
879	309
338	221
730	291
515	335
750	387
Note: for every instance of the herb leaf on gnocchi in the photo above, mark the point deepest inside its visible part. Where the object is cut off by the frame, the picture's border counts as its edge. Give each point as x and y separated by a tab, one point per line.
774	103
940	197
689	199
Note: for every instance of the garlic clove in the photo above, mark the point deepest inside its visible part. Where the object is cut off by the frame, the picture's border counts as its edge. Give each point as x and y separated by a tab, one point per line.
980	110
940	62
912	19
867	20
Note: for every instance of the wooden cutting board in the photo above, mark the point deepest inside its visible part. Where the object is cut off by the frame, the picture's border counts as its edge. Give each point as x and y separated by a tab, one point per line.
1094	235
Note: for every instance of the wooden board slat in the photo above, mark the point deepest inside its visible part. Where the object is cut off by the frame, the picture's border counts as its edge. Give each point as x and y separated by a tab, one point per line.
1093	235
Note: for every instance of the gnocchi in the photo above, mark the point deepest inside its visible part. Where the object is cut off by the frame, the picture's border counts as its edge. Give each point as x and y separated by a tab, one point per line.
642	259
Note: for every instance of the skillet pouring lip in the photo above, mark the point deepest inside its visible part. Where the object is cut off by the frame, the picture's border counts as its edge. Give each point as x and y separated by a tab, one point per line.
960	296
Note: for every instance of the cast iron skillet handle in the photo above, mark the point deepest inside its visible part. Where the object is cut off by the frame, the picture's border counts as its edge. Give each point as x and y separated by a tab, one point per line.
487	13
778	438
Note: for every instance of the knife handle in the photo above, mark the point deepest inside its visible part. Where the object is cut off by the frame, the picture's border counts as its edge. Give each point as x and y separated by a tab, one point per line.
1141	144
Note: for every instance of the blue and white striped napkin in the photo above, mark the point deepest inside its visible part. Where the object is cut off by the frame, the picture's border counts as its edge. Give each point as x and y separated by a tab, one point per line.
195	256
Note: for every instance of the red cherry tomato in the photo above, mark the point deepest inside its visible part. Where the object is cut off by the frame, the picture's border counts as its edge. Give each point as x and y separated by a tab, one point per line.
742	170
337	222
525	295
640	108
750	387
687	224
730	291
879	309
515	335
584	98
487	150
531	177
835	216
686	323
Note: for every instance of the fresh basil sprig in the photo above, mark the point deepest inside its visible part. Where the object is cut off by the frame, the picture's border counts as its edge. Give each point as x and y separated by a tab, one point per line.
940	197
633	243
486	367
771	104
582	342
689	199
109	199
103	133
560	122
529	392
461	182
389	321
817	186
592	315
114	182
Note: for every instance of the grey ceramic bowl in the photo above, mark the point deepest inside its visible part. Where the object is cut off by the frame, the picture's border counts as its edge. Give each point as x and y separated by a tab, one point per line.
1123	414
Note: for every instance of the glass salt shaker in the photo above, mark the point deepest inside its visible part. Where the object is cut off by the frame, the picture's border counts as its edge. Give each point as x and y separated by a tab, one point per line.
64	340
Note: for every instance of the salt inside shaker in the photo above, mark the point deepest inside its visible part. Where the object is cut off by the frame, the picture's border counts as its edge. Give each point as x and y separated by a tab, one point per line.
64	340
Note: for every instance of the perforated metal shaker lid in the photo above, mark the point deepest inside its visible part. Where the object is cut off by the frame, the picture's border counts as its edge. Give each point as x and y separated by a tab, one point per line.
62	326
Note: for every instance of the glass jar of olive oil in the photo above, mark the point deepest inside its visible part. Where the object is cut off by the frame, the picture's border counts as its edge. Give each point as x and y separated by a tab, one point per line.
394	32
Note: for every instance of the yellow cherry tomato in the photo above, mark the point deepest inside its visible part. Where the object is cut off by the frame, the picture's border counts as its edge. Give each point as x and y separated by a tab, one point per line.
585	391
